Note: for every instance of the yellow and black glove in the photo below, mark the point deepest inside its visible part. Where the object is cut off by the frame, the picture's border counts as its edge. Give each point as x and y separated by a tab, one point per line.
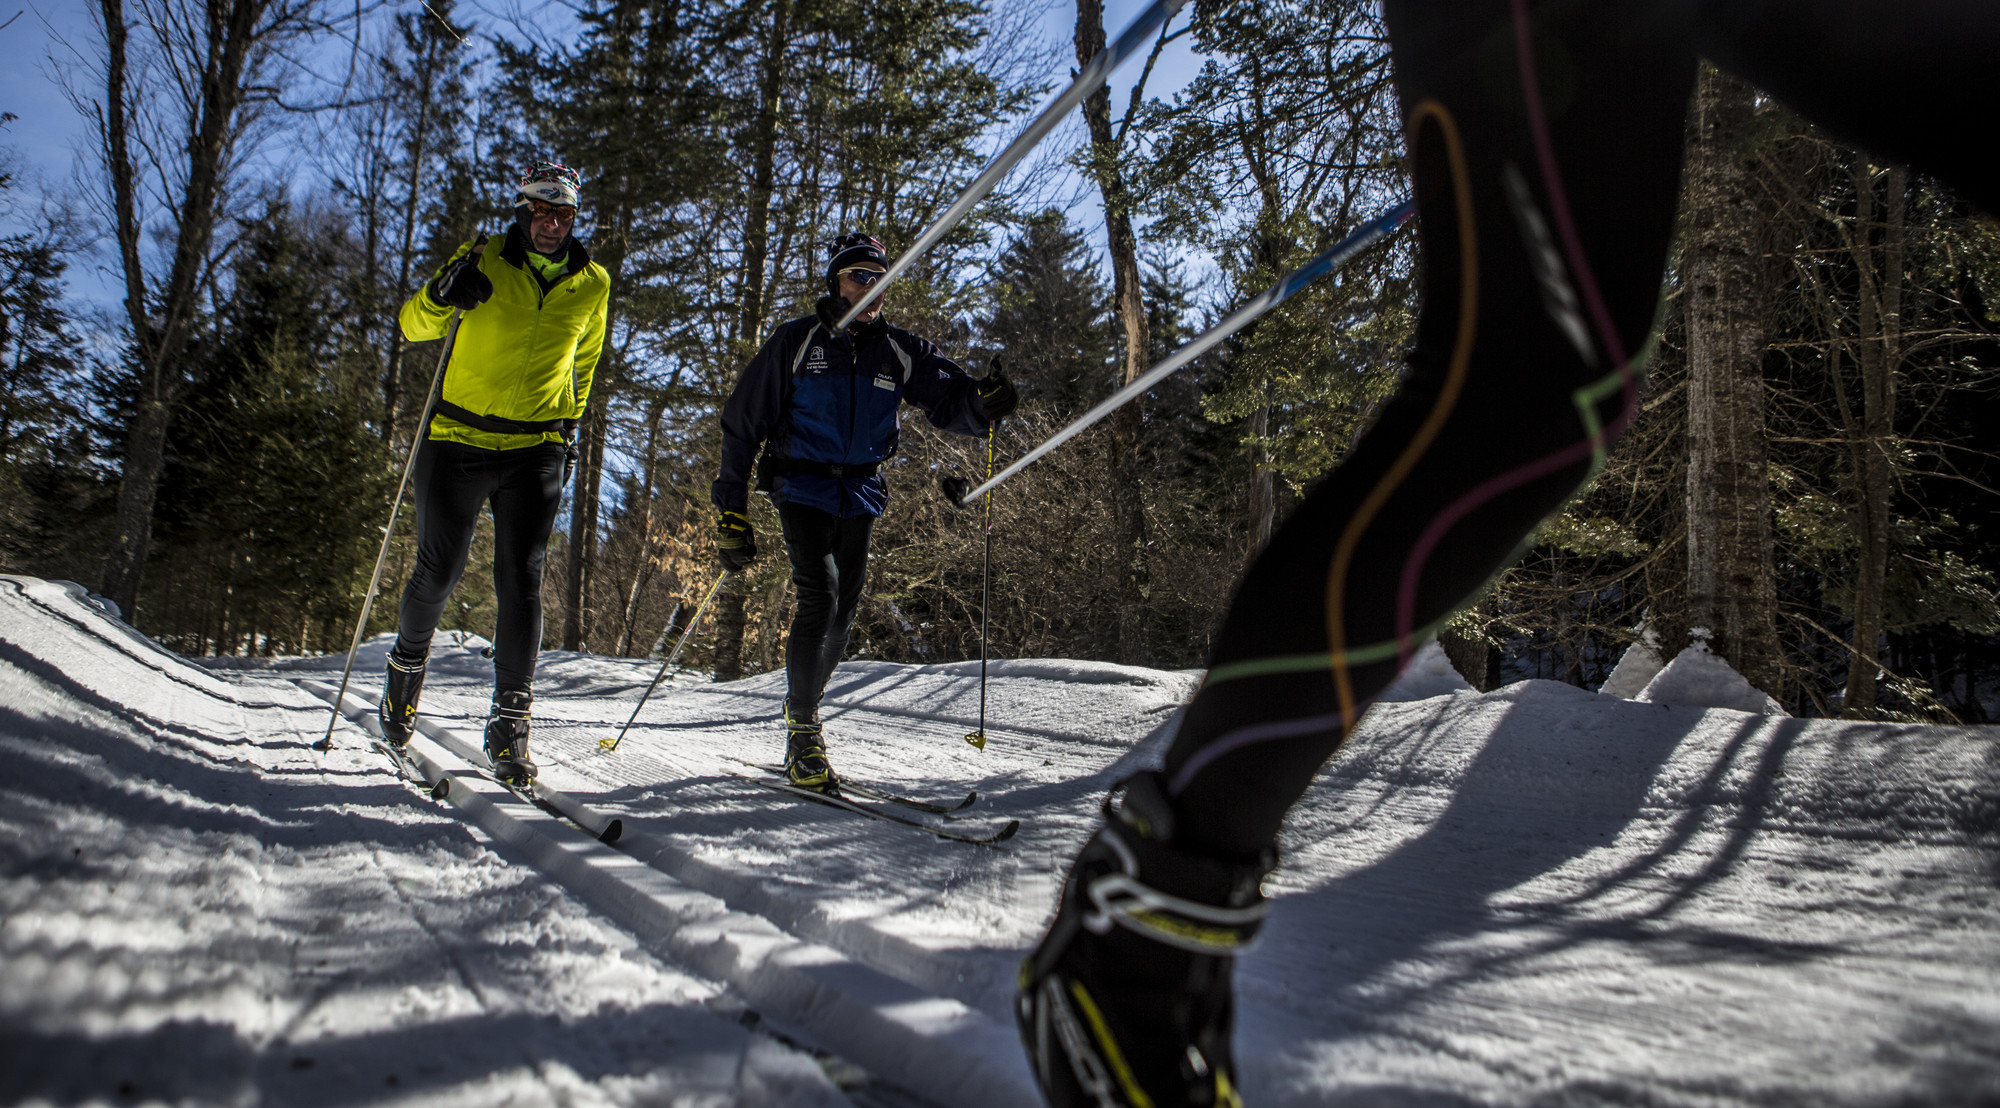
735	542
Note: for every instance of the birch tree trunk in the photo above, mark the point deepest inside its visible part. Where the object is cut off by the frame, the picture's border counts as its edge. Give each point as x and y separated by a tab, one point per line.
1731	584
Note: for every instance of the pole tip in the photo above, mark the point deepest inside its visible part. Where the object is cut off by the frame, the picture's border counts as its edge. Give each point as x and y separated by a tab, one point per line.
977	739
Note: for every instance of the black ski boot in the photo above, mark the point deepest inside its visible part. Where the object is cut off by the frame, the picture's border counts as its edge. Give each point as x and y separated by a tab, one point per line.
806	764
507	737
1127	1001
400	692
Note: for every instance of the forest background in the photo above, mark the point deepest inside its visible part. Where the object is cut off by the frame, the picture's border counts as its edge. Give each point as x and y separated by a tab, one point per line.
1809	485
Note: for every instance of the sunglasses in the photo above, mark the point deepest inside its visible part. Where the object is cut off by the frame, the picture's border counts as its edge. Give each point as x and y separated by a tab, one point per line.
539	210
862	277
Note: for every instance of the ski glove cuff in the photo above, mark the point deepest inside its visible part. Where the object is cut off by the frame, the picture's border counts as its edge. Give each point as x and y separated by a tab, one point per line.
735	542
461	284
997	395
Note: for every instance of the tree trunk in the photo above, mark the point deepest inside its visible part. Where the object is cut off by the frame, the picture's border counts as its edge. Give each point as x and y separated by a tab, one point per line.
583	514
647	556
1732	587
1128	506
1263	513
161	335
392	375
729	632
132	526
750	287
1877	352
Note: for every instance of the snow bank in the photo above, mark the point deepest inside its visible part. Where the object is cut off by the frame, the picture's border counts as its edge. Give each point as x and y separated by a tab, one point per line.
1429	674
1699	678
1640	663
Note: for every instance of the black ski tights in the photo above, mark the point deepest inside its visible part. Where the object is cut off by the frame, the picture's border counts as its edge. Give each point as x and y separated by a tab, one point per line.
524	487
829	557
1546	142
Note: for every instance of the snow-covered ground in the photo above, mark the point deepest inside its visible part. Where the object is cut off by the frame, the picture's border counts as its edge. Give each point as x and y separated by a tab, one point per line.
1539	895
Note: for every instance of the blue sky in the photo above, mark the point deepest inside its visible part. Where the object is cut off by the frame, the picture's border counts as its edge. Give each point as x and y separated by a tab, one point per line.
48	133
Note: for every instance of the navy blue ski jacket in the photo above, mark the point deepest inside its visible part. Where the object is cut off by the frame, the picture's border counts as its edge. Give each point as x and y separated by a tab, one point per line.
809	400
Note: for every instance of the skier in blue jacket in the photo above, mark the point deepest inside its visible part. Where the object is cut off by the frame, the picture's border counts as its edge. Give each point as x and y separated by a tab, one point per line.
824	404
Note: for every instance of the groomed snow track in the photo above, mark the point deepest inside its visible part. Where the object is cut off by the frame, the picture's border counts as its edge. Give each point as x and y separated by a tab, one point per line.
911	1047
1535	896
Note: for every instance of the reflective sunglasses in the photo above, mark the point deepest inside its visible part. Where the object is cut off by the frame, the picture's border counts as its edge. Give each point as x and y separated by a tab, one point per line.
561	214
862	277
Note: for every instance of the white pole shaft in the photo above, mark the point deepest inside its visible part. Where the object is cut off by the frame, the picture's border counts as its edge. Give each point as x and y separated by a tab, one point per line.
1270	298
1100	68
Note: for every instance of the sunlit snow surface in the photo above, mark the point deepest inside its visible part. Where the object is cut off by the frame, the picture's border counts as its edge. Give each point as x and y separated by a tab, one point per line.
1539	895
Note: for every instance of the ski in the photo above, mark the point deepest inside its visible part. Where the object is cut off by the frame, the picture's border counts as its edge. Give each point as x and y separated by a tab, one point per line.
873	792
606	829
409	772
888	814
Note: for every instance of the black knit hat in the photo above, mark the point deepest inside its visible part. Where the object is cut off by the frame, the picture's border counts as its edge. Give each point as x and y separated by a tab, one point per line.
852	249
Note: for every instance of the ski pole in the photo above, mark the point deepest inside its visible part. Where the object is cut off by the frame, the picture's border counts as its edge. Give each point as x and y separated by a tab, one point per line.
395	507
978	738
1325	263
1086	82
612	743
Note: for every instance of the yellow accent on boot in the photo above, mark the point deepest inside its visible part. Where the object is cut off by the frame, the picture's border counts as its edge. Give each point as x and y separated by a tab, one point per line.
1109	1045
799	774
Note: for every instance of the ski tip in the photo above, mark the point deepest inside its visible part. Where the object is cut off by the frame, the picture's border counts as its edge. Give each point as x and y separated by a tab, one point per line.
971	798
1006	832
611	831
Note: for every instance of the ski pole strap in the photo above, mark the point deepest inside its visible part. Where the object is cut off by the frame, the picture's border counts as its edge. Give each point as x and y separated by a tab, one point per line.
498	425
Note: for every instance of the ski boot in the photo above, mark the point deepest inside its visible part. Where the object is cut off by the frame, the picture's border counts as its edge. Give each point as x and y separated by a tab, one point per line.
507	737
400	692
806	765
1127	1001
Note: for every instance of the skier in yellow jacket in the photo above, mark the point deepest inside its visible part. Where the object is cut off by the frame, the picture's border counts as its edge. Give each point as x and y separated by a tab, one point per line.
531	327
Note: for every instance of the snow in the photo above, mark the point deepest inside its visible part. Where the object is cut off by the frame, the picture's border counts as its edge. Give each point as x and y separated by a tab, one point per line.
1534	895
1697	677
1640	663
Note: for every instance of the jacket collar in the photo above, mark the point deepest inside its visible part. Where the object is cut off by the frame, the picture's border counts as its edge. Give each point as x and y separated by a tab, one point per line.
515	252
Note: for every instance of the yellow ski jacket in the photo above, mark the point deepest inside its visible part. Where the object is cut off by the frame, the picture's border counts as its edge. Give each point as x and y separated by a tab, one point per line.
529	353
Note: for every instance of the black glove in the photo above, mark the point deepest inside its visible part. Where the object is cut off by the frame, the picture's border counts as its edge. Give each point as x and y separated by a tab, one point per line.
997	396
830	308
460	284
954	489
735	542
